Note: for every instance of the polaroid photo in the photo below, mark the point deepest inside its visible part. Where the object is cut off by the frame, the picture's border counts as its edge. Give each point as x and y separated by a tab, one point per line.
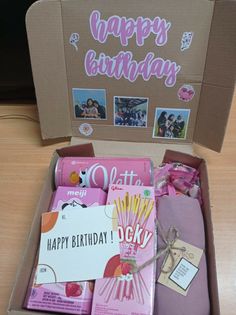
171	123
89	103
130	111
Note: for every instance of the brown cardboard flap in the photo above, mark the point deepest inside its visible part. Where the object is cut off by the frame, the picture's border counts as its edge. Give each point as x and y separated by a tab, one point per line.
59	69
27	262
220	67
85	149
210	249
45	37
76	16
213	115
219	77
175	156
155	151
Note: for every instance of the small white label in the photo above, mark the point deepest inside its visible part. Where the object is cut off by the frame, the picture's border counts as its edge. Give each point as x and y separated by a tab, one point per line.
186	40
191	254
183	274
74	39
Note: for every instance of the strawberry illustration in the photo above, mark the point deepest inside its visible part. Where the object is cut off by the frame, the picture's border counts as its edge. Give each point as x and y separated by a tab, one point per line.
126	268
73	289
91	286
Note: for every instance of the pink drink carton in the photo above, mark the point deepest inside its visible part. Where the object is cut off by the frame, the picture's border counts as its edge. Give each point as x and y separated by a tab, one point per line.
100	172
69	297
133	292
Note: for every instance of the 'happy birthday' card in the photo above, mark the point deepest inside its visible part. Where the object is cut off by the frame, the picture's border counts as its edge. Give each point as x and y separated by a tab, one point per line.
78	245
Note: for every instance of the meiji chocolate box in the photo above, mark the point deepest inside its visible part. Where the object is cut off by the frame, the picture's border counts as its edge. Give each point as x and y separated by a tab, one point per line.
67	198
133	292
69	297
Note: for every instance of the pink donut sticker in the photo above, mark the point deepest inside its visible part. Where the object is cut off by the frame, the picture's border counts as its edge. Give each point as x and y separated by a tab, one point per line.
186	93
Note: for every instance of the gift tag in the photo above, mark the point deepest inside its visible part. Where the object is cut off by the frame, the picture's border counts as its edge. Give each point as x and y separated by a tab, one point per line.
183	274
185	268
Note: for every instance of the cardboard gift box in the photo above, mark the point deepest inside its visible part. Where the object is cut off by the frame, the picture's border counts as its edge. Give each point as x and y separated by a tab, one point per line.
26	265
193	39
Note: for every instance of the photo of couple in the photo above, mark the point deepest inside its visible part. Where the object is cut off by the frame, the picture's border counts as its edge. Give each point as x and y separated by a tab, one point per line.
130	111
171	123
89	104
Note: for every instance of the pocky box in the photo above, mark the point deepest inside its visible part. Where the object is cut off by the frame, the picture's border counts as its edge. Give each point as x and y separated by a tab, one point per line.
133	292
100	172
69	297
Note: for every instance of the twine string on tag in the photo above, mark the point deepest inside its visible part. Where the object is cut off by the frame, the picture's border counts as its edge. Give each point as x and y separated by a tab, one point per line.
169	239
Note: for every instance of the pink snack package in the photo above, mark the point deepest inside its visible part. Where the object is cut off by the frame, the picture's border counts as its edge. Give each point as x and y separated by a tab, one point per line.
133	292
70	297
100	172
75	198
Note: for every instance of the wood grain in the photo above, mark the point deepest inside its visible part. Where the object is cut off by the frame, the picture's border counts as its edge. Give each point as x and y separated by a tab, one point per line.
23	165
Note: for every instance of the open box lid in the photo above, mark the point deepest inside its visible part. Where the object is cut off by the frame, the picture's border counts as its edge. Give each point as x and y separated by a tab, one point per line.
137	60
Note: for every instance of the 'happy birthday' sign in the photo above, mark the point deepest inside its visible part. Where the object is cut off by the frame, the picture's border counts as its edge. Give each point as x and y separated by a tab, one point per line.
123	65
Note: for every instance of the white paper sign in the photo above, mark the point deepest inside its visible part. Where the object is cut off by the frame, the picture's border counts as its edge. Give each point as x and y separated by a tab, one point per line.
184	273
181	272
77	246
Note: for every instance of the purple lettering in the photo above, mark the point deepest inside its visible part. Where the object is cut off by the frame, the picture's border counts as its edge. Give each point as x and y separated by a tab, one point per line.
123	65
143	30
90	63
125	28
161	28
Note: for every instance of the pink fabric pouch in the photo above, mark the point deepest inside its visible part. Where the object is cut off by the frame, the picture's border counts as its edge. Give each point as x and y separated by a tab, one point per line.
184	213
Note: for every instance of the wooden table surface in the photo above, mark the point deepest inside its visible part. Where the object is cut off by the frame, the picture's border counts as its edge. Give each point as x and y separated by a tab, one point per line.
23	166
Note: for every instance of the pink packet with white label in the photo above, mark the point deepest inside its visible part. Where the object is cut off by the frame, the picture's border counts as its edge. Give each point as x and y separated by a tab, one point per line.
70	297
75	198
131	293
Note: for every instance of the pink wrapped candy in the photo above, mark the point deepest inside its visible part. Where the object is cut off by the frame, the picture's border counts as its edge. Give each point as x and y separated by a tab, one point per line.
174	178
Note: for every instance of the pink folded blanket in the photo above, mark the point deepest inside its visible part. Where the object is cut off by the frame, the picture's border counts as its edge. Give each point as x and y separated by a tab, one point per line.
185	214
